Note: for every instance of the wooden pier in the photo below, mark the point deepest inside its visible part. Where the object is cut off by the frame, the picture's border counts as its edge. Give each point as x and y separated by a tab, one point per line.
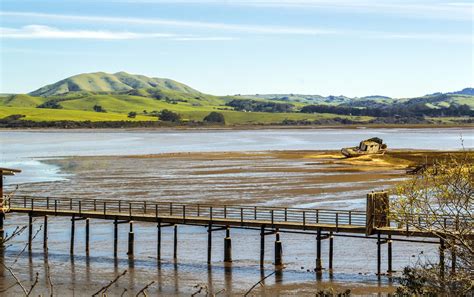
324	224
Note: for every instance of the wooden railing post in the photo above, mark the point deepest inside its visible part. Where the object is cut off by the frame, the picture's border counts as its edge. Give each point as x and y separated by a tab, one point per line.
241	215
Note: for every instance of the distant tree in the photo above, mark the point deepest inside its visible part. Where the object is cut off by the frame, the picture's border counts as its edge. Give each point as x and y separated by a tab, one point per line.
98	108
145	112
215	117
50	104
132	114
169	116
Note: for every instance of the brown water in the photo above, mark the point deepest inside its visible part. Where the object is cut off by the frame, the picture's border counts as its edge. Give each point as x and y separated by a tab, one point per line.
252	178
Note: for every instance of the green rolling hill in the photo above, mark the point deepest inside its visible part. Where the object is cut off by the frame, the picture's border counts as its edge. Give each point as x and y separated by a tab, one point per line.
101	82
76	98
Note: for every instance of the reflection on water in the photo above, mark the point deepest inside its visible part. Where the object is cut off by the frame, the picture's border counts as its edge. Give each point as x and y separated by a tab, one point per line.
354	260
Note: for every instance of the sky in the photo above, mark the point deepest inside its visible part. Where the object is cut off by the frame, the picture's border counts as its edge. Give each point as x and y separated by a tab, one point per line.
401	48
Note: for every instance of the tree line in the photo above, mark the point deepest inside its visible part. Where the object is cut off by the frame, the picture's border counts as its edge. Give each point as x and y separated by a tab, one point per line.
259	106
400	110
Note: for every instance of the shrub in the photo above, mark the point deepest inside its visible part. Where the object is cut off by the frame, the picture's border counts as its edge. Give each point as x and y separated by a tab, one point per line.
169	116
215	117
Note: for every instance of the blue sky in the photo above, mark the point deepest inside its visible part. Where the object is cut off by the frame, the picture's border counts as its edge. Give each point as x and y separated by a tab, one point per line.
330	47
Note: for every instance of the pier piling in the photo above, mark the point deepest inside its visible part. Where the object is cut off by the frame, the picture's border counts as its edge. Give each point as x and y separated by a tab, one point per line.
278	249
131	240
158	247
175	243
87	236
115	237
379	254
389	254
227	246
441	258
45	233
331	249
30	230
319	266
73	233
262	245
209	243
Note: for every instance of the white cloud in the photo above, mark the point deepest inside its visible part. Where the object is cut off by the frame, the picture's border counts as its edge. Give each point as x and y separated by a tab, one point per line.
37	31
174	23
45	32
204	38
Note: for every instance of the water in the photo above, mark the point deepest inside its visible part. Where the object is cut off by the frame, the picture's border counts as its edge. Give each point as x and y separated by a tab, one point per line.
24	148
354	260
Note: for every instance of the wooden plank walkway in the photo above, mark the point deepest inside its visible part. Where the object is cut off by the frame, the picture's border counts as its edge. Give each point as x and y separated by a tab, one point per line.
344	221
324	223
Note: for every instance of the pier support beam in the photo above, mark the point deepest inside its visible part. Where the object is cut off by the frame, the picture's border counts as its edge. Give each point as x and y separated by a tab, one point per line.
175	243
262	245
441	258
379	254
331	249
115	238
87	237
453	259
30	230
45	233
227	246
209	243
131	240
158	244
389	254
278	249
73	233
319	266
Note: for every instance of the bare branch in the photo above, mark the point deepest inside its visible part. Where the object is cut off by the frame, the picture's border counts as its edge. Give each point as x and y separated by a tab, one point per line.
143	290
105	288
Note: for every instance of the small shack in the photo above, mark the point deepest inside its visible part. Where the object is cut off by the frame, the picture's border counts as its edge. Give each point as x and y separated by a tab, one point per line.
369	146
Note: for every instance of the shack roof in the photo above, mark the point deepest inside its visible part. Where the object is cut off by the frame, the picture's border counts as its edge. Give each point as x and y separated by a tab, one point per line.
9	171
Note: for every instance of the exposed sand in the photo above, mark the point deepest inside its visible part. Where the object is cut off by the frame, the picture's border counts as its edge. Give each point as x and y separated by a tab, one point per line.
290	178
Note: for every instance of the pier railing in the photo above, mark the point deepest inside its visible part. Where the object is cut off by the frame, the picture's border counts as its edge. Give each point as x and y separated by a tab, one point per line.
272	215
151	210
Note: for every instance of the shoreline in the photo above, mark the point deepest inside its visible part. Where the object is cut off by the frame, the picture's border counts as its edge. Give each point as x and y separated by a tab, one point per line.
244	128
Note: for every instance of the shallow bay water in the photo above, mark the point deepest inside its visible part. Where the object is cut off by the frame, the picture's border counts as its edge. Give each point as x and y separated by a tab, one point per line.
244	178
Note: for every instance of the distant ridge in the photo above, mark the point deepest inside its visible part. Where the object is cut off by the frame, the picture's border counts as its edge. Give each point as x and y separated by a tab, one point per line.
101	82
466	91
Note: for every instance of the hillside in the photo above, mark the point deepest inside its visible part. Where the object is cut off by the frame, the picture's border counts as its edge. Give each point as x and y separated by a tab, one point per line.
101	82
104	97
